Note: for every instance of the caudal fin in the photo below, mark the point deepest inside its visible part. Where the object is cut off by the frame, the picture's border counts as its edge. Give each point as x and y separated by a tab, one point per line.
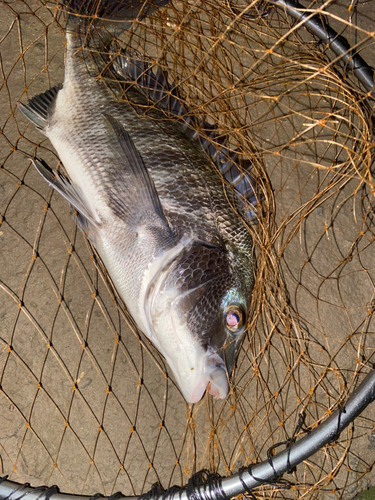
108	13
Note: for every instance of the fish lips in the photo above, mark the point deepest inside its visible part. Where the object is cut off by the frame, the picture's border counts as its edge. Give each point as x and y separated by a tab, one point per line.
216	372
212	377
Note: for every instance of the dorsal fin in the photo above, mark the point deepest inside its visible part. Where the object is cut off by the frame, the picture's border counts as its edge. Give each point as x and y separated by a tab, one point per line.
156	86
39	108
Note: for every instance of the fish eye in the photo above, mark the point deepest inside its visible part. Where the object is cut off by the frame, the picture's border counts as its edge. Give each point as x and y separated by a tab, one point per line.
234	318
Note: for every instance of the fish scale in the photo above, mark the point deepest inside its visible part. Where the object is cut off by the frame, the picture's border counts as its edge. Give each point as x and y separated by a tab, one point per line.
155	210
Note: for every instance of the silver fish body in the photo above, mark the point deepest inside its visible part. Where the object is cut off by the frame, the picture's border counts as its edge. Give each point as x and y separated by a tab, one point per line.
157	213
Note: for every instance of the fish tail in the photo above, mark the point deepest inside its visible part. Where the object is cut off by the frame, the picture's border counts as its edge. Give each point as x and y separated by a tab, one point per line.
115	16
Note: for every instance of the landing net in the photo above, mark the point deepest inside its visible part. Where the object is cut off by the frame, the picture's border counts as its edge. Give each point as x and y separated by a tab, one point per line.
86	402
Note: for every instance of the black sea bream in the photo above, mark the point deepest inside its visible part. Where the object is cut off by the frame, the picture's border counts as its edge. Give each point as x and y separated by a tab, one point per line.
156	212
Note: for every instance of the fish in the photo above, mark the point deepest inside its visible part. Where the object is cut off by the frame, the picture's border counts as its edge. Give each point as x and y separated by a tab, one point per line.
151	202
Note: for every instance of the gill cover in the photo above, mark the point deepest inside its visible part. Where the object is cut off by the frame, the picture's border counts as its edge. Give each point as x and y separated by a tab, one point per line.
195	365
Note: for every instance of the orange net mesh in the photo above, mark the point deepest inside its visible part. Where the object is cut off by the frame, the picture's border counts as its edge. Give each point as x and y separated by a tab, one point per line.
86	402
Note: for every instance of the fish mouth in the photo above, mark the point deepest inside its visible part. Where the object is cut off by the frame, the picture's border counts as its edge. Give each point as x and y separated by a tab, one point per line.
213	379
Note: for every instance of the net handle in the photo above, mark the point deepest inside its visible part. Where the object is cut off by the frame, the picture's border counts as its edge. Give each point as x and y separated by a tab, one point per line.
317	26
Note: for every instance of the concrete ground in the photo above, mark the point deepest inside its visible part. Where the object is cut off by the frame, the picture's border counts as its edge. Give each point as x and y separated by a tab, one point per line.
86	402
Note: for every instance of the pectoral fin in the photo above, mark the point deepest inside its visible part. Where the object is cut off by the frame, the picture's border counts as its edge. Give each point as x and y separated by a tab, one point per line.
133	197
68	190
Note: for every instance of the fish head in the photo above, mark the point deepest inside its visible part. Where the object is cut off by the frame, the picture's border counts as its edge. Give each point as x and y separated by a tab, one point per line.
198	312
